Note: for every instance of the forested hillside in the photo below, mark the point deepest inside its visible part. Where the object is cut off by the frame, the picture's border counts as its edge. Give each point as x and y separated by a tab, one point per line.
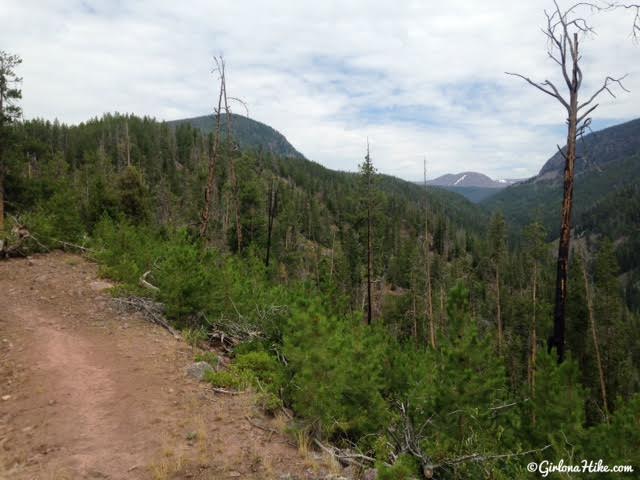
249	133
607	172
455	344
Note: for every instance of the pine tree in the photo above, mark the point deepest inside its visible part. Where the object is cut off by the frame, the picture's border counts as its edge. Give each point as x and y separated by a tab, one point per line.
368	175
9	113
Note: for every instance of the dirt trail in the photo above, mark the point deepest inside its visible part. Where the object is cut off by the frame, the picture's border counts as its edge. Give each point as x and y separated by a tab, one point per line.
91	392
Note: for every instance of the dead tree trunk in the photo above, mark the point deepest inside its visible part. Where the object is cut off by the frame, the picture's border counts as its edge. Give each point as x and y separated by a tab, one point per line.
562	31
232	151
209	190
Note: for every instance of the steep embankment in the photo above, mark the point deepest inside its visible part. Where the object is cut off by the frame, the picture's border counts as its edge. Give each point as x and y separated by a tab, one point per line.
91	392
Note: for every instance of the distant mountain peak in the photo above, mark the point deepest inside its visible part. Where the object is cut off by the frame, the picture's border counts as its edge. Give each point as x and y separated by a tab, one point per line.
468	179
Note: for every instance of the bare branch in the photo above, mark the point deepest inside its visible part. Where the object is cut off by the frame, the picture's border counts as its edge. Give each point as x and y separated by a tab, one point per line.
586	114
635	8
478	457
540	86
606	87
241	102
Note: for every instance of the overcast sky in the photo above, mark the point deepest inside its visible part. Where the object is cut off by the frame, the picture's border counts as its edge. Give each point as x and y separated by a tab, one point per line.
415	77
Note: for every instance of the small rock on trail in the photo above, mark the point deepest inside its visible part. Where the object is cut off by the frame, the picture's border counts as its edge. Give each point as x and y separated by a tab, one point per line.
198	370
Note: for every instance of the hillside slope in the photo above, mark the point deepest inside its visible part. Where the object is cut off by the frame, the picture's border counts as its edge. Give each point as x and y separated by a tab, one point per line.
609	160
597	150
605	198
249	133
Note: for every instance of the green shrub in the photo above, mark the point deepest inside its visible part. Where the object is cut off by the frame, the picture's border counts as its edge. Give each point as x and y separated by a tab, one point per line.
265	368
125	251
268	402
231	378
338	373
406	467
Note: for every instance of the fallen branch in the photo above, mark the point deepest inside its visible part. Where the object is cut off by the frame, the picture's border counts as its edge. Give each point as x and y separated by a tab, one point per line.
346	457
477	457
152	311
143	282
227	392
72	245
228	334
261	427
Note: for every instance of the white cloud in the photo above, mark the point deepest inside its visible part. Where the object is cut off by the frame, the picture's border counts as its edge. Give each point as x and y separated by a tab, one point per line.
327	75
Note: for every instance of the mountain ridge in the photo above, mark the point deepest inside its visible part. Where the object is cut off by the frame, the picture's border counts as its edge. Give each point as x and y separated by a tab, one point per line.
249	133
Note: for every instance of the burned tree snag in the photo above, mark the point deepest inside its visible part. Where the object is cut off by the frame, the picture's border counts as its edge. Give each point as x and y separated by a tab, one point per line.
563	31
213	154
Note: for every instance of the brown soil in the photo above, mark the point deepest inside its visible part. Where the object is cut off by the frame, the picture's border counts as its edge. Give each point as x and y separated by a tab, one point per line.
91	392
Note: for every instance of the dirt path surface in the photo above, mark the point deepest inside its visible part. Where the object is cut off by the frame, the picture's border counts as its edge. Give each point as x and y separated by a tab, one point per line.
88	391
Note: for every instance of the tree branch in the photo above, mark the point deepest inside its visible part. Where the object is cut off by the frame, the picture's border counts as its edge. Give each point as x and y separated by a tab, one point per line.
540	86
478	457
605	87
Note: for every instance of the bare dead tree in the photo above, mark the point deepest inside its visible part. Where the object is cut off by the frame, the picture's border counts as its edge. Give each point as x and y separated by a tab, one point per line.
564	31
233	150
213	154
